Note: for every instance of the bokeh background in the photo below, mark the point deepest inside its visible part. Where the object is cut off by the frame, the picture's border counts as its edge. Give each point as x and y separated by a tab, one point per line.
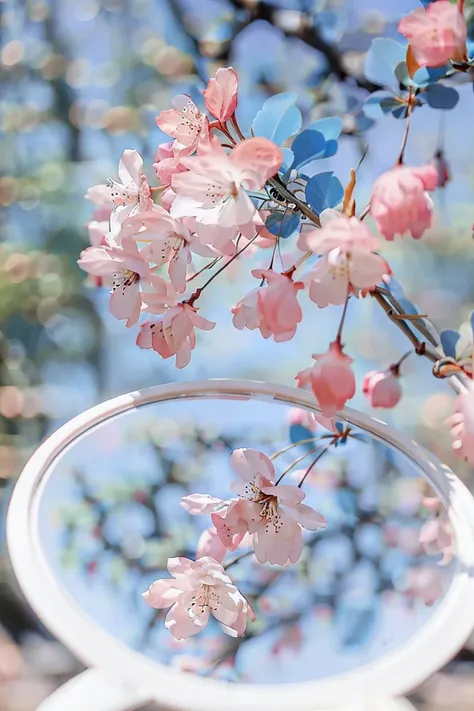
81	80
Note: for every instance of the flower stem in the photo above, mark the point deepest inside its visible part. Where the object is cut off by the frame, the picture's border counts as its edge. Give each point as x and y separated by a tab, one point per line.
297	461
395	367
313	463
194	297
407	131
343	318
291	446
233	120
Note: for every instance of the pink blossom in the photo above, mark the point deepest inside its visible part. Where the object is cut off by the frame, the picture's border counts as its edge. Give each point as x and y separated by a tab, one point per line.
209	544
382	389
214	187
127	270
221	94
173	334
246	314
330	378
272	513
276	308
462	426
436	534
436	34
197	590
348	264
167	241
185	123
132	194
400	203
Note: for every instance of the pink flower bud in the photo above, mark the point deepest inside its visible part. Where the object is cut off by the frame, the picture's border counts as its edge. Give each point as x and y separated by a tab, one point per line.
400	203
436	34
382	389
221	94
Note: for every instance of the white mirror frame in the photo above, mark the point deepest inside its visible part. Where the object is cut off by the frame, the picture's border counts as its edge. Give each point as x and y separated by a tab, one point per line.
395	674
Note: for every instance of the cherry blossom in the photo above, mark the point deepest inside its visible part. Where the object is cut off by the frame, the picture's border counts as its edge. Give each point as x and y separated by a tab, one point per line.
272	513
348	264
167	240
221	94
197	590
331	379
462	426
214	187
127	270
132	194
400	203
246	314
277	305
185	123
173	334
436	34
382	389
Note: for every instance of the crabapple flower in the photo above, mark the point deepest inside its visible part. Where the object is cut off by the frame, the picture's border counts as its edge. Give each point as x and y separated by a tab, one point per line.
273	309
400	203
173	334
127	270
246	314
197	590
167	240
185	123
330	378
382	389
132	194
277	305
348	263
462	426
436	34
213	189
221	94
272	513
209	544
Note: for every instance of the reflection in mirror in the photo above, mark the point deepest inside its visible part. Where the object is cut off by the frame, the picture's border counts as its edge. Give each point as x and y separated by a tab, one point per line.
111	516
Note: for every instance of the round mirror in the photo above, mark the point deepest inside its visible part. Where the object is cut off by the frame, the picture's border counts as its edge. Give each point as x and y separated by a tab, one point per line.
362	603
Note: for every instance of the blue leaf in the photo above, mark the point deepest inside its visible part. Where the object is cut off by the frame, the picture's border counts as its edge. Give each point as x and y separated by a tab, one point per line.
448	341
278	119
439	96
330	127
381	61
428	75
300	432
380	103
323	191
319	140
283	224
307	146
288	158
471	321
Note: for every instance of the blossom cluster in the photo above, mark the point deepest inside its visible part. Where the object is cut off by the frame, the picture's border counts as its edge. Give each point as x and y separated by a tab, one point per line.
220	191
